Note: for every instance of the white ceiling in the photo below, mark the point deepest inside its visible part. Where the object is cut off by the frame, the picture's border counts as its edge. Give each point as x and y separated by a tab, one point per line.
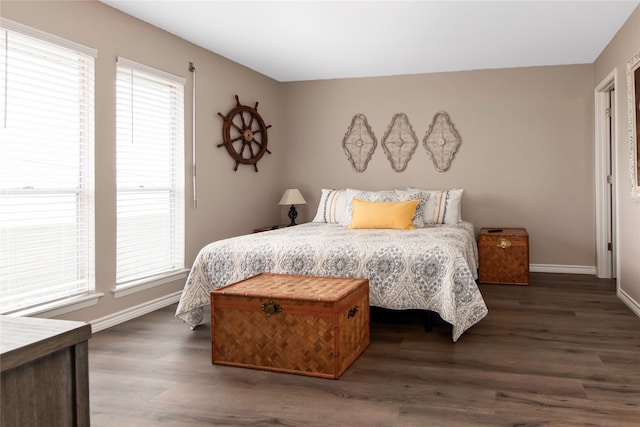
310	40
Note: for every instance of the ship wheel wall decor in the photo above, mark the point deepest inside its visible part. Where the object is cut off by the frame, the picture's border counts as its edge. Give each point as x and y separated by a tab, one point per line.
244	134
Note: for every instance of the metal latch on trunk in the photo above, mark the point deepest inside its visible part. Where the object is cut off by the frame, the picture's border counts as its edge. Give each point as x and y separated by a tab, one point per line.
271	307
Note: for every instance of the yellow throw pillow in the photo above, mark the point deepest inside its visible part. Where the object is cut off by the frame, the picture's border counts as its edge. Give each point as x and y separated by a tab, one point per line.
396	215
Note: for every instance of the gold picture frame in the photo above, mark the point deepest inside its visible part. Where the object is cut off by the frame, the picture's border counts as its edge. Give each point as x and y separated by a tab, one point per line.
633	97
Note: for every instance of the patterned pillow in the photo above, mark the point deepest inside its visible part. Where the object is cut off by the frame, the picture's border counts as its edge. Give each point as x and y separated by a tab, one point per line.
369	196
423	197
332	207
443	207
386	196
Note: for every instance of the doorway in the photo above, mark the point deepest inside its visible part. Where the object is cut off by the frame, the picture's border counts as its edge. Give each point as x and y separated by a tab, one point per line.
605	178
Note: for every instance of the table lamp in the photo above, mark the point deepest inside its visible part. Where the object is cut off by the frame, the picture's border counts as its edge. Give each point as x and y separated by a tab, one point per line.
292	197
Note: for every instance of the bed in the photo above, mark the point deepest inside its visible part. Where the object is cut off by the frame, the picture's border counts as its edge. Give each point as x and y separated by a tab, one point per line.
432	267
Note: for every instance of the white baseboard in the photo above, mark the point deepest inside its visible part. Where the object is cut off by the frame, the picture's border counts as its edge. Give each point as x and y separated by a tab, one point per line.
629	302
568	269
133	312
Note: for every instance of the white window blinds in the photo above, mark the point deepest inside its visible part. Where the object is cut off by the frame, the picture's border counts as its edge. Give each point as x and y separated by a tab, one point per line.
150	172
46	167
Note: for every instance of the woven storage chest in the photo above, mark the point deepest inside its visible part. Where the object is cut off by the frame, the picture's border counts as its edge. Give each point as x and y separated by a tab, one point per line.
504	256
305	325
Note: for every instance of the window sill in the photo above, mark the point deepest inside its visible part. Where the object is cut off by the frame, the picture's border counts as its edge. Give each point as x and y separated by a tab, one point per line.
63	306
148	283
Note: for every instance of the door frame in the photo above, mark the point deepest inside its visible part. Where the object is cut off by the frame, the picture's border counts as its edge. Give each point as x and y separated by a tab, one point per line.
606	209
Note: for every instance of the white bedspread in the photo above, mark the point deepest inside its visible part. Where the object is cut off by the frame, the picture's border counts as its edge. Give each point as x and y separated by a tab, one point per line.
432	268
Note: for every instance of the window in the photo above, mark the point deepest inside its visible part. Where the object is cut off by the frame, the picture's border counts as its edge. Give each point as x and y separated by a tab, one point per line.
46	168
150	173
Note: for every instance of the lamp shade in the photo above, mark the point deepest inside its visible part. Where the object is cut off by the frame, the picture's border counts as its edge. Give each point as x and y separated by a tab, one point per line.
292	196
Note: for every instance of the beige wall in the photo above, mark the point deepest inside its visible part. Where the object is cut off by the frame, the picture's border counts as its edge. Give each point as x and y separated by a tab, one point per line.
526	157
615	57
229	203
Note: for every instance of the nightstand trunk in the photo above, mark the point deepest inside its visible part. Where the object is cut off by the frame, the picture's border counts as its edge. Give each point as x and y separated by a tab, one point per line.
504	255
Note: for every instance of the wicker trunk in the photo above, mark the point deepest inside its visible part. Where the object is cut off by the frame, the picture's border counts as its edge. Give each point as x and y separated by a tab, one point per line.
305	325
504	256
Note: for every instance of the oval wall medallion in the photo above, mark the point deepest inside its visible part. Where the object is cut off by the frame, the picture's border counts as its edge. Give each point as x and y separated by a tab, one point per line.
399	142
359	143
441	141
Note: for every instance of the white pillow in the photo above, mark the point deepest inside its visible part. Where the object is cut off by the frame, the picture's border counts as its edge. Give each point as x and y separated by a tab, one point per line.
387	196
332	207
443	207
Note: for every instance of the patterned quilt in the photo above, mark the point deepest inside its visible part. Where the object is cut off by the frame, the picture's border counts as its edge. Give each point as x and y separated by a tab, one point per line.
432	268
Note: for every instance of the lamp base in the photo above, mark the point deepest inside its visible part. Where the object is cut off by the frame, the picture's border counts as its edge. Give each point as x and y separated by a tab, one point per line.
293	214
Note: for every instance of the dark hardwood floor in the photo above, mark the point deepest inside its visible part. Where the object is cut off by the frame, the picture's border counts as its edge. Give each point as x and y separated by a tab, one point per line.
563	351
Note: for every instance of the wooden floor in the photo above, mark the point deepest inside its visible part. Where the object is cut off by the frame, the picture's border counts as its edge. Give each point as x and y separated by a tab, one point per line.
563	351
